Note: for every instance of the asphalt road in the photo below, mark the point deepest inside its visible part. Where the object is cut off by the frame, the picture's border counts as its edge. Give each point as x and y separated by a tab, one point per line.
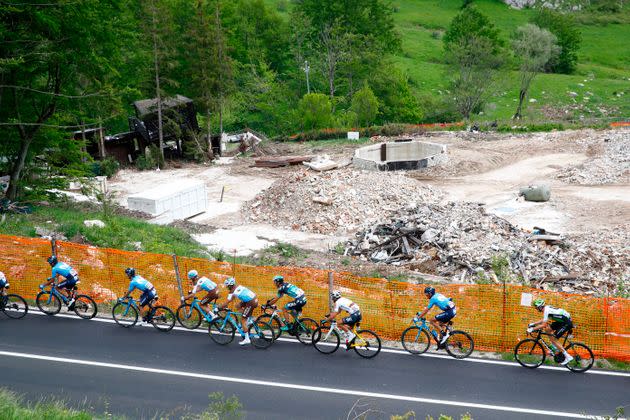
140	372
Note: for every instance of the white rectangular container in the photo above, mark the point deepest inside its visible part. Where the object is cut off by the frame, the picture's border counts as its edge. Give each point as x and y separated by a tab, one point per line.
173	201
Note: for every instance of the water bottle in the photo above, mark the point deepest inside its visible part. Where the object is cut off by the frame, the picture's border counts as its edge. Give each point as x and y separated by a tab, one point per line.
553	349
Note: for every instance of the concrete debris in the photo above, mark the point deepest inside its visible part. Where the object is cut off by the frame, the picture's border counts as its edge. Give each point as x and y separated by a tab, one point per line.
322	163
94	223
280	161
539	193
464	243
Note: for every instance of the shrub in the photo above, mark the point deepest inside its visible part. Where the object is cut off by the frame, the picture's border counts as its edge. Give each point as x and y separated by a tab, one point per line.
365	106
568	36
315	111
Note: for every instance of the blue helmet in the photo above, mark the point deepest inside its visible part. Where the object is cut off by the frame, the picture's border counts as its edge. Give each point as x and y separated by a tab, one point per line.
130	272
278	279
52	260
429	290
230	281
192	274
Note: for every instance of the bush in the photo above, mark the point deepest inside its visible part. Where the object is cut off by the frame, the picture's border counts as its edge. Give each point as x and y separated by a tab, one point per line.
108	167
151	159
365	106
568	36
315	111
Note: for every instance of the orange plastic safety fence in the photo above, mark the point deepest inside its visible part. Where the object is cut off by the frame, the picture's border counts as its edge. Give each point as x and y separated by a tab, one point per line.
491	314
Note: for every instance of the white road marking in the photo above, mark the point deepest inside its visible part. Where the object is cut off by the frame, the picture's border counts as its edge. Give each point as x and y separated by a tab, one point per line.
383	350
300	387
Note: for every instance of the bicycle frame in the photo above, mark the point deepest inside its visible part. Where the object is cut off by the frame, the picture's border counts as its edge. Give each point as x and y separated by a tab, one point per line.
195	304
424	325
539	337
131	302
57	293
357	341
228	318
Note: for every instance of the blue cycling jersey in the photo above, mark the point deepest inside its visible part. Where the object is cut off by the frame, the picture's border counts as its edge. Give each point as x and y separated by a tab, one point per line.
3	280
64	270
441	301
204	283
243	293
290	290
140	283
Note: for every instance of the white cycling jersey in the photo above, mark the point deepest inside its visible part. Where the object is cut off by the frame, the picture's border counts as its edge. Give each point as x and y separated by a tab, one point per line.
204	283
555	314
347	305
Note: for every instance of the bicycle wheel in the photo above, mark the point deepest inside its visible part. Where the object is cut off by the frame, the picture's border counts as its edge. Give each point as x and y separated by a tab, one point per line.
583	357
326	340
367	344
221	331
15	306
48	303
459	345
415	340
162	318
85	307
125	316
274	322
304	330
529	353
188	316
261	334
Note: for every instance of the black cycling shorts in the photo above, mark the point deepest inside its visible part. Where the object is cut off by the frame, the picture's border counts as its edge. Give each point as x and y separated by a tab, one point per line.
68	284
296	305
561	326
446	315
147	297
352	319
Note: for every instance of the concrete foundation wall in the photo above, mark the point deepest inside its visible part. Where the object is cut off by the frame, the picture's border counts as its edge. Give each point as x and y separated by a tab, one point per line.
400	156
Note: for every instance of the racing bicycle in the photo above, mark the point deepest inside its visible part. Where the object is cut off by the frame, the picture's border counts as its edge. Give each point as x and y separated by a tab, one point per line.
417	339
13	306
49	302
224	327
327	337
191	314
302	329
125	313
532	352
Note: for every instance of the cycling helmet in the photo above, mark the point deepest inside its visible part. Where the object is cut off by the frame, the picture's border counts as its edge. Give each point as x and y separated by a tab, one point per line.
192	274
130	272
278	279
230	281
538	303
335	295
52	260
429	290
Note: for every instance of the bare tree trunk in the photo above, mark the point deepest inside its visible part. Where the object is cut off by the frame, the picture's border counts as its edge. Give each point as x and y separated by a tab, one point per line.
16	169
519	109
157	79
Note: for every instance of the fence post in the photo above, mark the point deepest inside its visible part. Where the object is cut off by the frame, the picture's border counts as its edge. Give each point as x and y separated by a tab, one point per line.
179	279
504	322
330	289
53	246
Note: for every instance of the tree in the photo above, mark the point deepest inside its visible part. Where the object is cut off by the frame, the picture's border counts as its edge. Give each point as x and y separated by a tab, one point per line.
474	53
334	44
565	29
315	111
365	106
535	48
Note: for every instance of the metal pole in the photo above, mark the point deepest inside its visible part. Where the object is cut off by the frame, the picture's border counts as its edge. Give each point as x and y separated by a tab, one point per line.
330	289
53	246
177	276
306	70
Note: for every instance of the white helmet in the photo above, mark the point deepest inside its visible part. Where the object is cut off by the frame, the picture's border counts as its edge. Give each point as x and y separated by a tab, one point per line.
335	295
229	282
192	274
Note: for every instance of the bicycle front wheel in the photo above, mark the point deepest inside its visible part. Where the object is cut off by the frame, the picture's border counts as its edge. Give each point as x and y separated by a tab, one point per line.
274	322
583	357
304	330
15	306
261	334
529	353
188	316
326	340
221	331
48	303
124	315
415	340
163	319
367	344
460	345
85	307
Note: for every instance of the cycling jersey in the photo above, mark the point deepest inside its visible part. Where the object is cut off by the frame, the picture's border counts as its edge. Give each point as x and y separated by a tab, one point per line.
243	293
290	290
555	314
441	301
64	270
204	283
3	280
347	305
140	283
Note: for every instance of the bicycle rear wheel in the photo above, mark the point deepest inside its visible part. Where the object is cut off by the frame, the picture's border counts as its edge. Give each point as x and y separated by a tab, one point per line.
48	303
583	357
261	334
15	306
367	344
125	316
459	345
304	330
188	316
162	318
415	340
85	307
326	340
221	331
529	353
274	322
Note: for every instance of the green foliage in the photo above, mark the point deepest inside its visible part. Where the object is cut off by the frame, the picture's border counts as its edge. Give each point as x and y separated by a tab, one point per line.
284	250
315	111
365	106
221	408
568	36
501	267
106	167
623	290
471	24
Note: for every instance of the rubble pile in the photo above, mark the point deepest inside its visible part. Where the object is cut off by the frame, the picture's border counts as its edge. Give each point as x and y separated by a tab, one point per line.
336	202
610	163
464	243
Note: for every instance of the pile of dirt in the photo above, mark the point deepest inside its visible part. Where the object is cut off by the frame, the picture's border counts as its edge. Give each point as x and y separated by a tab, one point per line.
336	202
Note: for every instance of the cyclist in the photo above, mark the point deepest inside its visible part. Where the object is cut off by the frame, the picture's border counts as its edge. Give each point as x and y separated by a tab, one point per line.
149	294
560	324
448	311
69	285
248	303
291	290
4	284
347	323
202	283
